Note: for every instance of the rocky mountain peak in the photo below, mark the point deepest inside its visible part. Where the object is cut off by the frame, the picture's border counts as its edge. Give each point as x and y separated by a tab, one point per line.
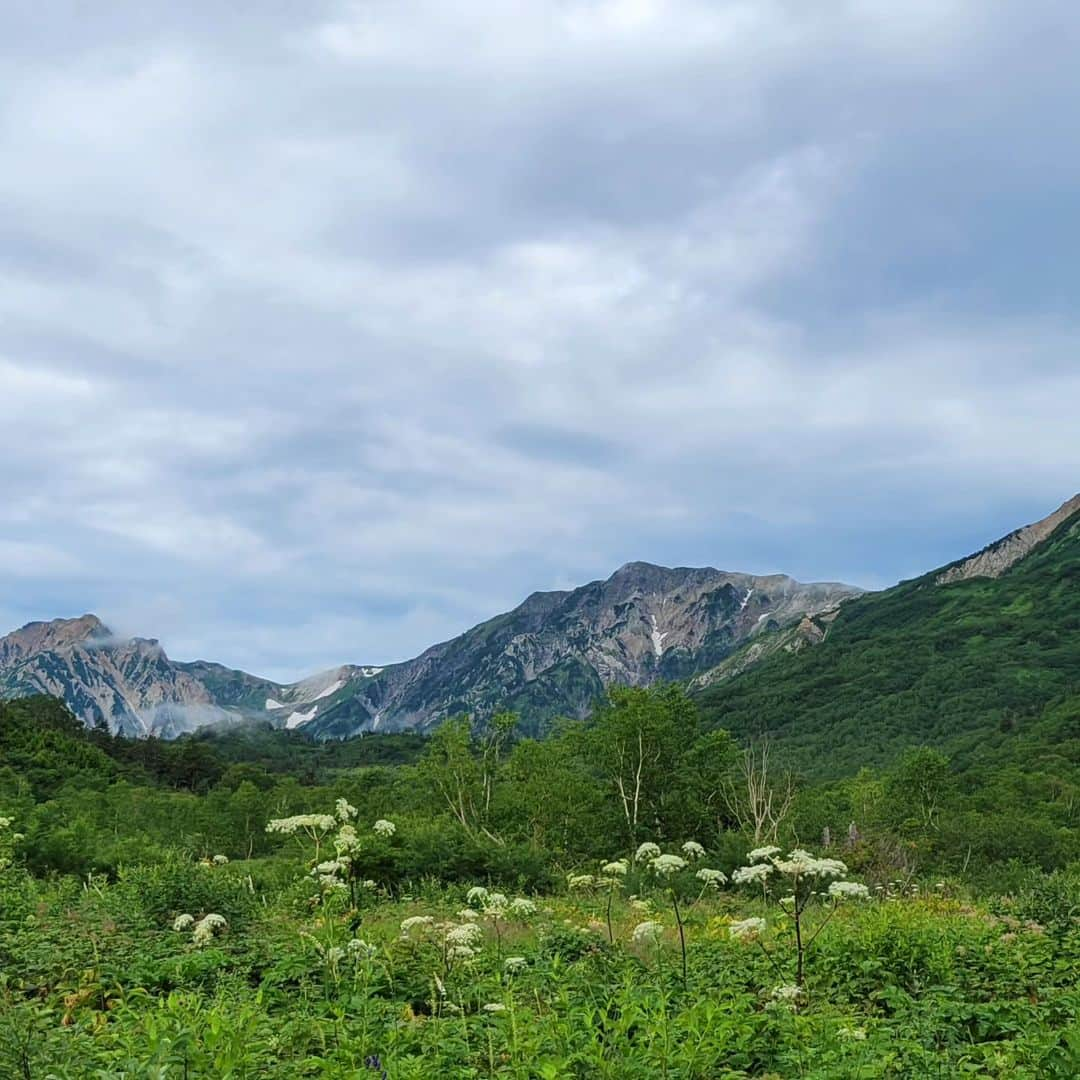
56	634
997	557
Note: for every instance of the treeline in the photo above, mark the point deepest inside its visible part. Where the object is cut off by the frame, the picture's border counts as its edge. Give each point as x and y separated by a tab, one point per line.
476	803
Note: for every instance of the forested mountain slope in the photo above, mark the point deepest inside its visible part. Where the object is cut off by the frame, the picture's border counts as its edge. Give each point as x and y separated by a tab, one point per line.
978	665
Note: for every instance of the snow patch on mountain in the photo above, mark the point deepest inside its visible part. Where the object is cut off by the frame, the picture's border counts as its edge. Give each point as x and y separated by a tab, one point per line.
298	718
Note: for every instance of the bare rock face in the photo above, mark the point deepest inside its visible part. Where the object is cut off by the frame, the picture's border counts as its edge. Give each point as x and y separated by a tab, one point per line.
557	652
994	560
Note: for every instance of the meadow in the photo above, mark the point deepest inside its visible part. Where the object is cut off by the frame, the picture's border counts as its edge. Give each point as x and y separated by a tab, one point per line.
311	971
474	905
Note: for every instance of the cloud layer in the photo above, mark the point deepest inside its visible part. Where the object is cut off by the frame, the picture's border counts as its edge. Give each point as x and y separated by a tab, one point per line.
327	330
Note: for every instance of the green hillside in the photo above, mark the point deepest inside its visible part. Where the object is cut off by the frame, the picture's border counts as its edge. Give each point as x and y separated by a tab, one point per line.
986	669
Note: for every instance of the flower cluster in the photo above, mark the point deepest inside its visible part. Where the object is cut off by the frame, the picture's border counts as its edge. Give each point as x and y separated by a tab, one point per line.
647	933
848	890
207	928
321	823
385	828
693	850
665	865
713	879
747	929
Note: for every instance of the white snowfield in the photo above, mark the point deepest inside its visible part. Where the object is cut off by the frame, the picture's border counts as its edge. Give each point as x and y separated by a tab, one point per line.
298	718
657	638
333	688
272	704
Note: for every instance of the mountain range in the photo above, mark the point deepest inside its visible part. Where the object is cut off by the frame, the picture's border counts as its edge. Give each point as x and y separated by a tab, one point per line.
553	655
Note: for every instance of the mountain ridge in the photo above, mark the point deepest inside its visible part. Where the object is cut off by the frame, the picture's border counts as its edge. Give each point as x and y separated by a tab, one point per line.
555	653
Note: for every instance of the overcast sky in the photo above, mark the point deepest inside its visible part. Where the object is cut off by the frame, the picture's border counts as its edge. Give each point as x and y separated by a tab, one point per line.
328	330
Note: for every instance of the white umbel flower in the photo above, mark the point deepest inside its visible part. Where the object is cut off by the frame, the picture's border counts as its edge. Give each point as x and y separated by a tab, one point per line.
522	908
665	865
747	929
648	850
693	850
618	868
220	860
385	828
414	921
476	895
647	933
748	875
801	862
183	922
513	964
466	934
787	994
712	878
345	810
580	881
760	854
848	890
207	927
495	905
290	825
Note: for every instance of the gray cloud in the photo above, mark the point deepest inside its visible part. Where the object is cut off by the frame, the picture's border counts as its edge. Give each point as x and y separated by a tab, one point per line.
328	330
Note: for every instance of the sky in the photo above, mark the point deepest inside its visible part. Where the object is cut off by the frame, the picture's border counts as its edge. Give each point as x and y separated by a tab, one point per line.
330	329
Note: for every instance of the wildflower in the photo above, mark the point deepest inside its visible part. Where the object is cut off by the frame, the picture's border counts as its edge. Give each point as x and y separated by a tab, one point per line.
747	929
298	822
513	964
787	995
207	927
580	881
618	868
359	949
465	934
413	921
346	842
345	811
335	955
494	1007
639	904
648	850
385	828
183	922
746	875
468	914
477	894
848	890
712	878
647	932
522	908
802	862
440	986
760	854
495	905
461	952
664	865
693	850
220	860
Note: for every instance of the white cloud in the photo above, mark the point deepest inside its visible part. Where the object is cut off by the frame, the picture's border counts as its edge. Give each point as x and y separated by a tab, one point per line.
329	330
